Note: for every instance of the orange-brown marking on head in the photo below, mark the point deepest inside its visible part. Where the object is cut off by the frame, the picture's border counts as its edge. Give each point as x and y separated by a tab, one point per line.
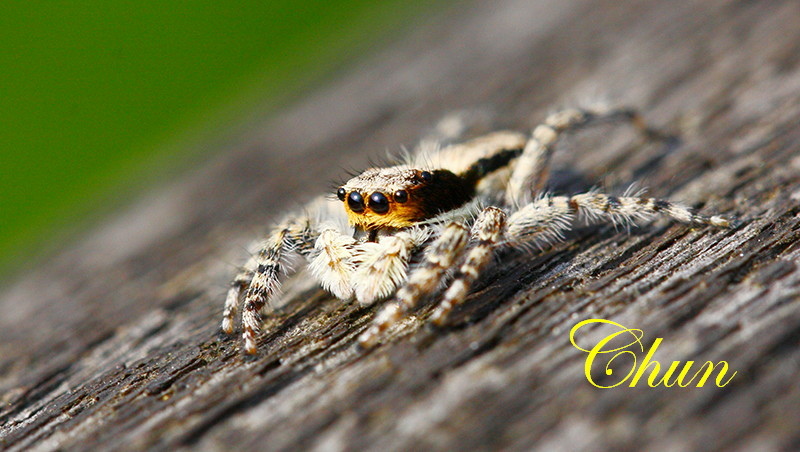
399	197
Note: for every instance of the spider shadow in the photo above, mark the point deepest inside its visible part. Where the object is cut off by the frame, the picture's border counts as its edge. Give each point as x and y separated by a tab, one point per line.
569	181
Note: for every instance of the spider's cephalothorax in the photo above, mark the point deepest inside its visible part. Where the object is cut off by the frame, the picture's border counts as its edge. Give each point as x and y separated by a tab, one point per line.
401	196
403	230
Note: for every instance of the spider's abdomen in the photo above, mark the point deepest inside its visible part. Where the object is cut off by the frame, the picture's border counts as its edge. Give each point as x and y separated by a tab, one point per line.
445	191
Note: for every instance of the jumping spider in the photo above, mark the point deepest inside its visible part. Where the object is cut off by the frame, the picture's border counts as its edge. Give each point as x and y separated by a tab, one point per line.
418	226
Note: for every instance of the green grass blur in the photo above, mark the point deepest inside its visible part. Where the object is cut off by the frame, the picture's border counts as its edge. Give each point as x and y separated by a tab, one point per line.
93	94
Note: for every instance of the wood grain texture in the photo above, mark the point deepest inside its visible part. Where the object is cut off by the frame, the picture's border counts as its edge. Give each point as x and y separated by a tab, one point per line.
113	342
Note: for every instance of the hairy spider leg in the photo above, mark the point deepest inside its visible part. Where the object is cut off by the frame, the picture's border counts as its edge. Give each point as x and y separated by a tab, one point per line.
533	166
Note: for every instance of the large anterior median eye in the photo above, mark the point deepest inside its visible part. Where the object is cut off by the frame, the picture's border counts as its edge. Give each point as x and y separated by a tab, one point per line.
356	202
378	202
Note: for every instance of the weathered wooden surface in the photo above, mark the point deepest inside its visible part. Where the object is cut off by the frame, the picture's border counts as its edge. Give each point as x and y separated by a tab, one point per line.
114	341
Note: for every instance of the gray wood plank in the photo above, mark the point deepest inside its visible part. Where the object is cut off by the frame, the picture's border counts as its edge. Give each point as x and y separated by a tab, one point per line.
113	341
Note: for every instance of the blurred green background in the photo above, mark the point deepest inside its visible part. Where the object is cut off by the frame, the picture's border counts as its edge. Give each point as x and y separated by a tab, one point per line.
96	95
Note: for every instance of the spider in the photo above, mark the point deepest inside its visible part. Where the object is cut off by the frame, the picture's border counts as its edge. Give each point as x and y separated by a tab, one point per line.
435	222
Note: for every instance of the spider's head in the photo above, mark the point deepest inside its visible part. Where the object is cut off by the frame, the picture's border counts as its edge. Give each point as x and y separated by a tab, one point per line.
399	197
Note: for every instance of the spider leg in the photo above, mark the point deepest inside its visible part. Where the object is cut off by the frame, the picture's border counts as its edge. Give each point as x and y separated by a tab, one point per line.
238	285
295	234
626	210
259	278
532	168
540	223
441	255
487	231
546	219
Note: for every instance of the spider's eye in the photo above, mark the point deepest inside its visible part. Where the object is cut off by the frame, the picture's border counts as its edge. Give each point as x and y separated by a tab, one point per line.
378	202
356	202
401	196
426	176
341	193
